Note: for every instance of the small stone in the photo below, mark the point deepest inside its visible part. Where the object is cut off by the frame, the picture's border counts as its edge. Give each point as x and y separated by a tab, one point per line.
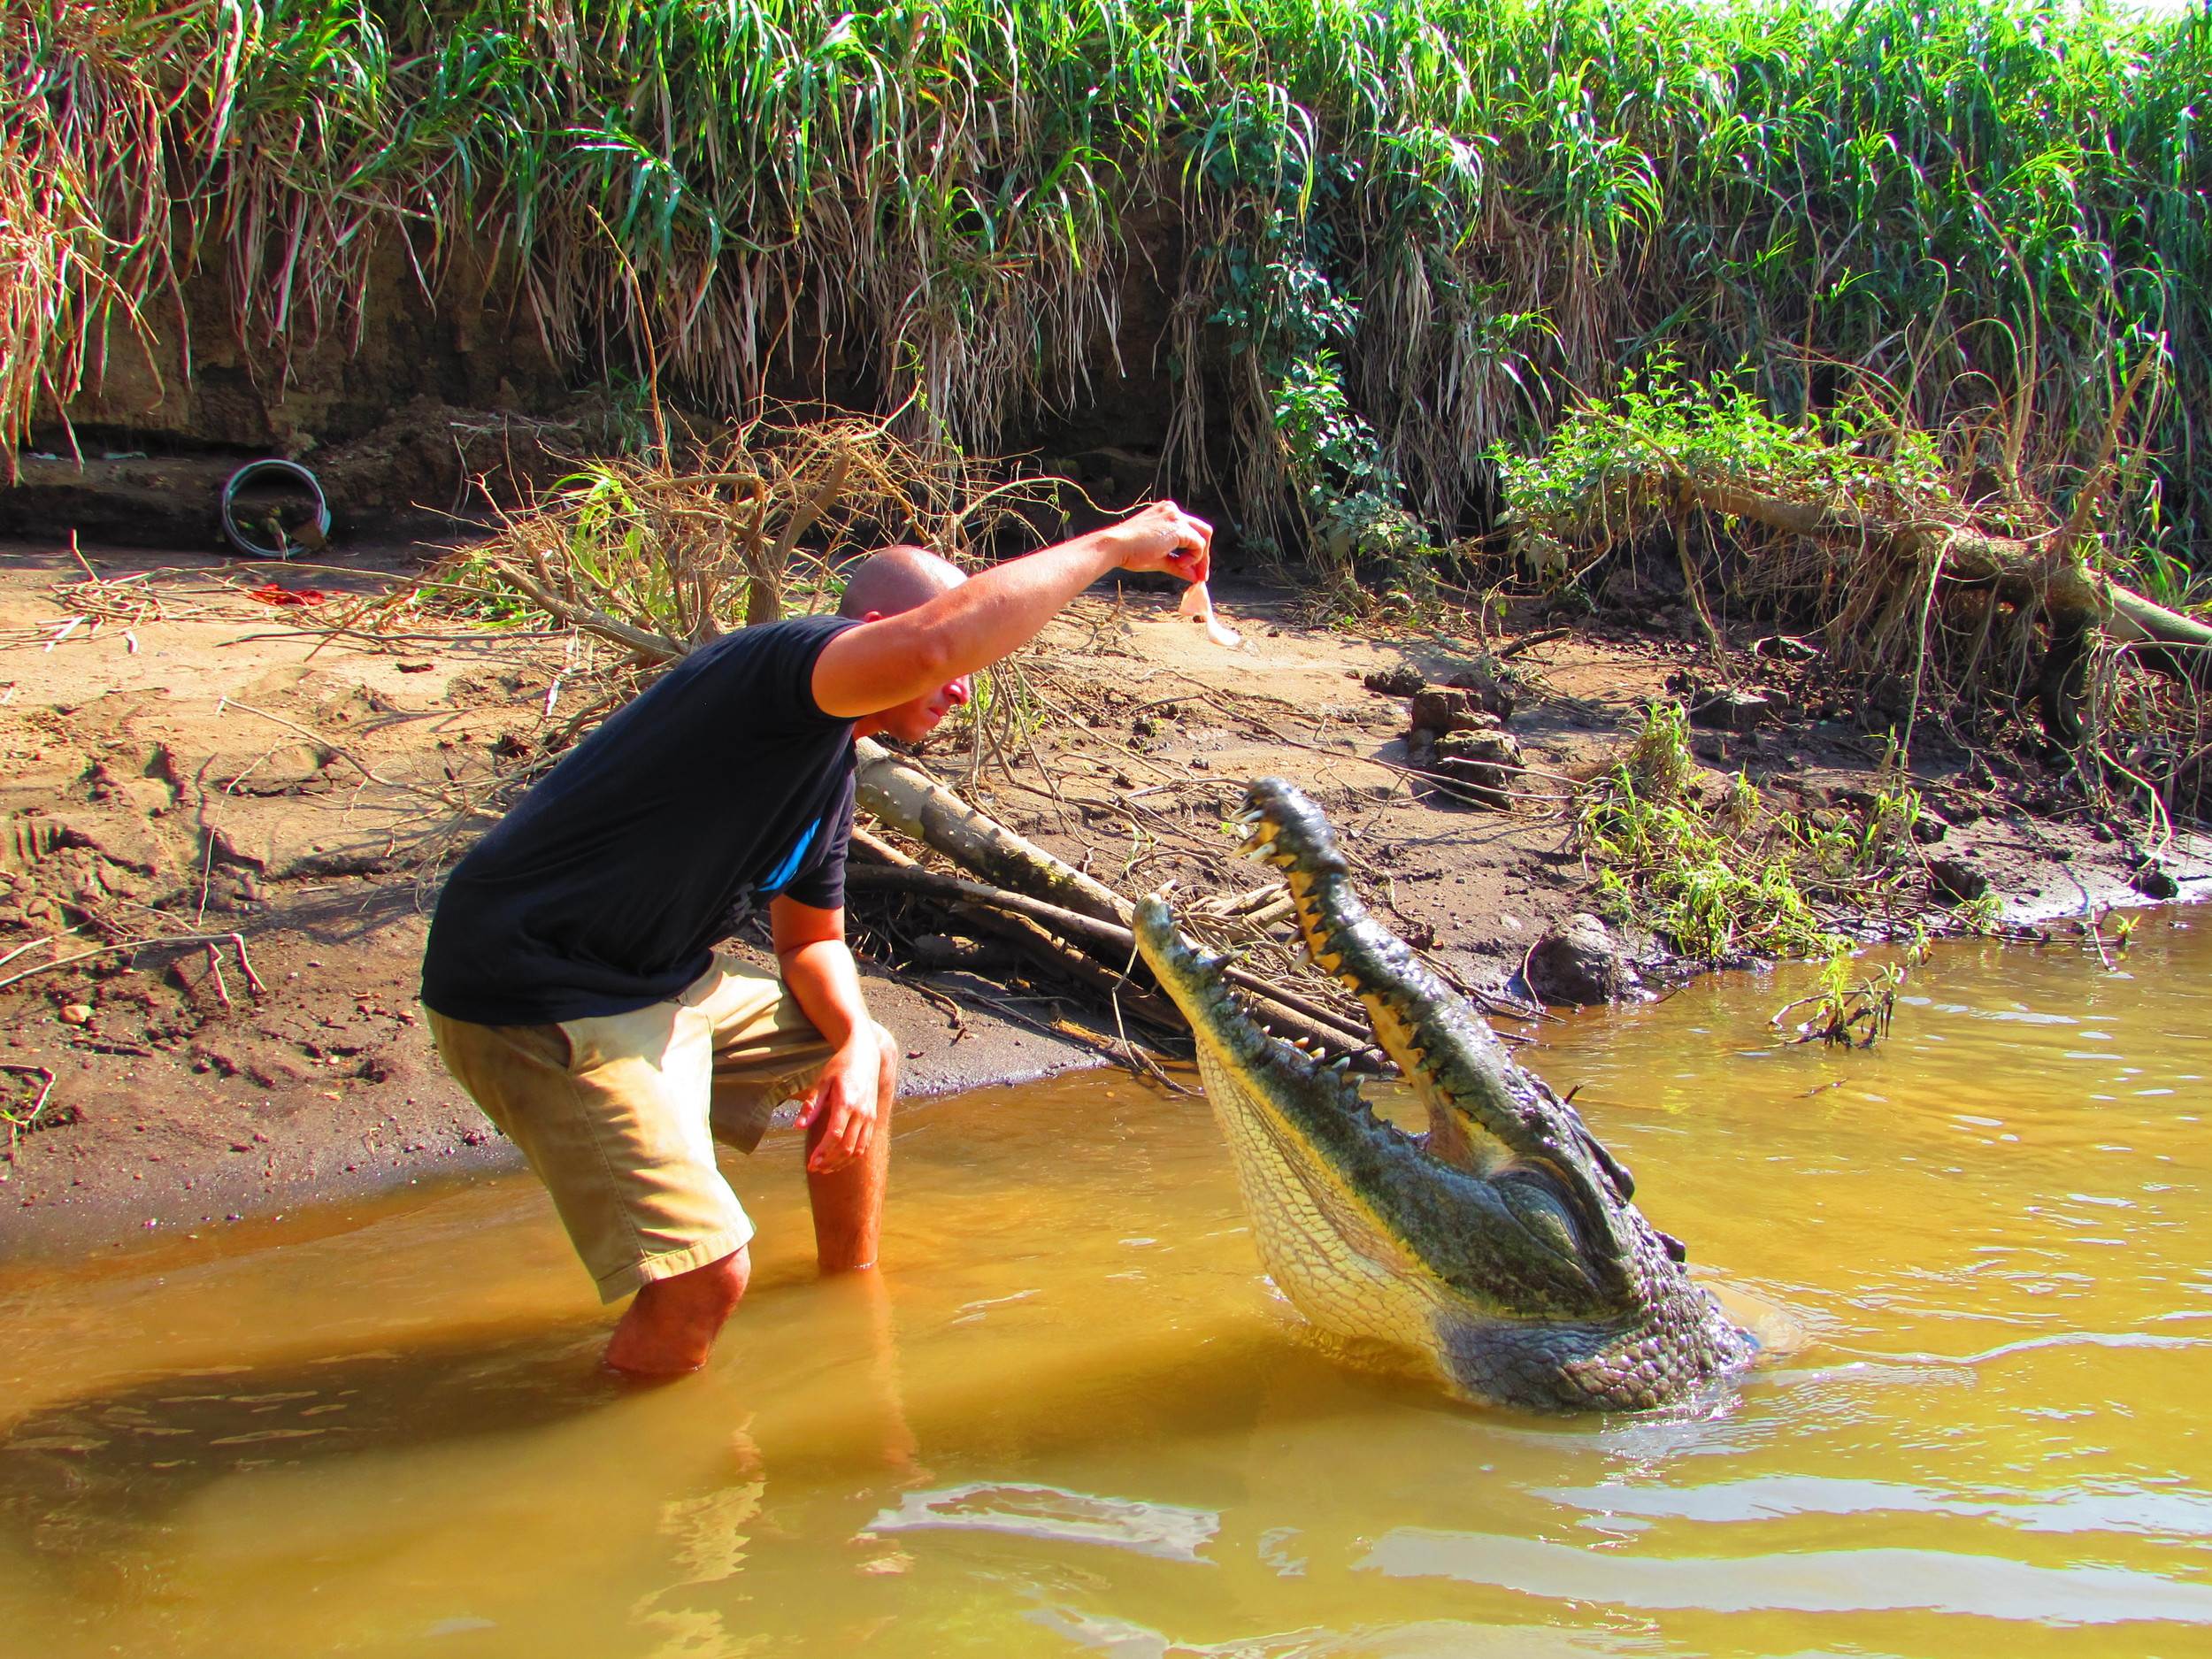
1401	681
2154	883
1786	647
1733	710
1487	690
1581	963
76	1014
1481	765
1457	710
1955	879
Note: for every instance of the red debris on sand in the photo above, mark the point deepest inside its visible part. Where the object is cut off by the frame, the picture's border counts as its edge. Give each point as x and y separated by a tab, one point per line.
274	592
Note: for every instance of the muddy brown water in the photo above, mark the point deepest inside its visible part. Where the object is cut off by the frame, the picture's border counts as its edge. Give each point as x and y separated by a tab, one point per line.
1070	1418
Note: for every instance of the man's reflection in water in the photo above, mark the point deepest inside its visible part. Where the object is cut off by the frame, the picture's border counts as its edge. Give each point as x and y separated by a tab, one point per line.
851	1413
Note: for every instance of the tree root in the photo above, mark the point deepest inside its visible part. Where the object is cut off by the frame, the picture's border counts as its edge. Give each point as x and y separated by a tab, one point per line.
2051	576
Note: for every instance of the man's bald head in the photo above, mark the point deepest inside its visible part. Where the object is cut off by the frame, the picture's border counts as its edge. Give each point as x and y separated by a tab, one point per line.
897	579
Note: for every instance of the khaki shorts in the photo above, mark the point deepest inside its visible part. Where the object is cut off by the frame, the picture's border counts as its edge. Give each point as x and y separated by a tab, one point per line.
619	1114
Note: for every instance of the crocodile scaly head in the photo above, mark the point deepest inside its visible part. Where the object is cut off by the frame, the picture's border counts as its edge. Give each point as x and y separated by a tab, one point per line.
1501	1247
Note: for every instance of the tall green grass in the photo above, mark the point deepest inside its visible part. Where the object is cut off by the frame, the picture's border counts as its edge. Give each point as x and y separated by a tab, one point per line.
1464	212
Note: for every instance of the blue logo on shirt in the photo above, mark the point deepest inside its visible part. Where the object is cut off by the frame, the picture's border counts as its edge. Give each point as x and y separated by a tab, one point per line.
781	876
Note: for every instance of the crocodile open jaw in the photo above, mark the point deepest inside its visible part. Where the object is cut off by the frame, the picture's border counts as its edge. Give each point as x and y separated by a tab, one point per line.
1500	1248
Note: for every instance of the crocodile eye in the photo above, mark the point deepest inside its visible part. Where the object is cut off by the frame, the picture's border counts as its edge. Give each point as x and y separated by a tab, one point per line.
1529	1195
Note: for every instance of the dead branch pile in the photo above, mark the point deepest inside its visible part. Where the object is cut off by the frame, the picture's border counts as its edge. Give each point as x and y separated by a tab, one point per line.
666	551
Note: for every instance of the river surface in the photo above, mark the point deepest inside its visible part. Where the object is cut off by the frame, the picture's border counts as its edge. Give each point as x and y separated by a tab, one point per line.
1070	1418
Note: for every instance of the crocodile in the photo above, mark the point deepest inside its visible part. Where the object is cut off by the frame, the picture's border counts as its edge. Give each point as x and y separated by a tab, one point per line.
1499	1250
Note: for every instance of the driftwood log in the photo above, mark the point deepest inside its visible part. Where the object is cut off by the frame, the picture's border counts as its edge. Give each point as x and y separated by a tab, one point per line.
879	857
901	794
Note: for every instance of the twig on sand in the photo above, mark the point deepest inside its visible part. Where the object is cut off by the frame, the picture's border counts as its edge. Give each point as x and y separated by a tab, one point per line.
444	798
1531	640
245	964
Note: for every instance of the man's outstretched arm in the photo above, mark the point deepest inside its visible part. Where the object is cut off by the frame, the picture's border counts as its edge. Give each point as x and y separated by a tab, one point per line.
882	664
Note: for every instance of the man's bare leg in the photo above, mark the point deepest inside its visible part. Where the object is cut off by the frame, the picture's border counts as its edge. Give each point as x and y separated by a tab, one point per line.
670	1327
848	1203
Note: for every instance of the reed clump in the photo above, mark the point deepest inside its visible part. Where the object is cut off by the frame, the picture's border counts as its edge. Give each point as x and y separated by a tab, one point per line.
1393	233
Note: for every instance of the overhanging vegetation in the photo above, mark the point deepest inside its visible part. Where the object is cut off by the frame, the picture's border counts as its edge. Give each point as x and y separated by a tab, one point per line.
1392	232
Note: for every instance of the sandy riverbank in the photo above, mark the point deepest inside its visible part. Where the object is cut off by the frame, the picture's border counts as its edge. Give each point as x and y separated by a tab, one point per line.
199	766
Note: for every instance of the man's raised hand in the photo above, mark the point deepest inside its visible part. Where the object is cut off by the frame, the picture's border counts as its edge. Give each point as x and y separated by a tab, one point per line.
1163	537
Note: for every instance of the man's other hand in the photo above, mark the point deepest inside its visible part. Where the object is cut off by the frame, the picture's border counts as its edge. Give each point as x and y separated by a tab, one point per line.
1163	537
845	1098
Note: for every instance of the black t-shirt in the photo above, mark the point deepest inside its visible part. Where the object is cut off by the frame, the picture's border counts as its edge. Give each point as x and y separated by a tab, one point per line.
604	889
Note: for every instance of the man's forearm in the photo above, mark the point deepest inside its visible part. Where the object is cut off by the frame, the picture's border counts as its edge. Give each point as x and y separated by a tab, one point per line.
995	612
990	615
822	976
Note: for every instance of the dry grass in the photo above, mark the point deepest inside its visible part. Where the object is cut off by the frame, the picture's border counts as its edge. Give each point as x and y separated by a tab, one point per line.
84	207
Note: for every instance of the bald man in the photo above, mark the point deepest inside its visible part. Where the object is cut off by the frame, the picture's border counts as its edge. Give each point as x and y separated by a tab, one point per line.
571	974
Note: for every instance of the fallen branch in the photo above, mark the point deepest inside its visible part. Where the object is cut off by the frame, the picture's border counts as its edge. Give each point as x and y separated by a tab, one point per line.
653	647
2024	572
1030	936
917	805
1530	641
1298	1015
1037	941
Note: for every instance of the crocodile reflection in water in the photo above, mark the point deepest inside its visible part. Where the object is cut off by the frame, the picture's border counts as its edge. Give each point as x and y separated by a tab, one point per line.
1499	1249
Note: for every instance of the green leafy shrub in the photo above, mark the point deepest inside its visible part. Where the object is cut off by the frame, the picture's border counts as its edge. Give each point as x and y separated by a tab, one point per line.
1732	876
